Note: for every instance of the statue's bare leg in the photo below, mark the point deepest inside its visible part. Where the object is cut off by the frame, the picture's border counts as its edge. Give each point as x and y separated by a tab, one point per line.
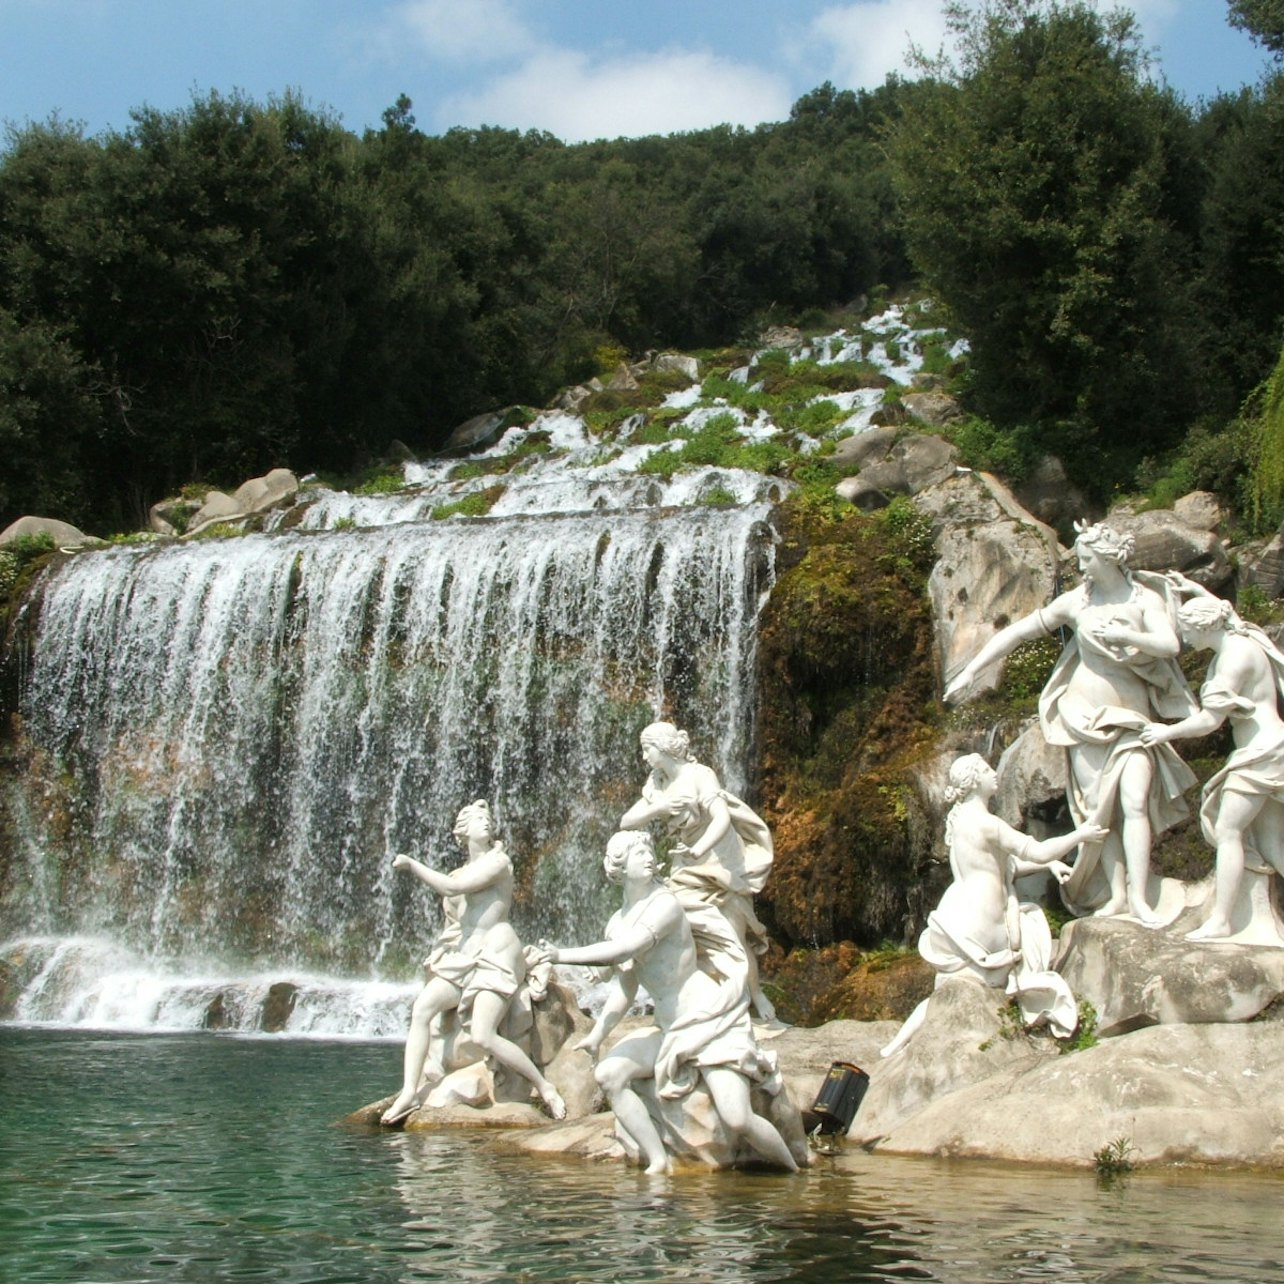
730	1092
1134	796
1114	868
1236	813
906	1032
438	996
483	1030
615	1074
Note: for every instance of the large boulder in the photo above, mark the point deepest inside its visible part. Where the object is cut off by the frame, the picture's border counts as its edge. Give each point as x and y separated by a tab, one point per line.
217	507
1136	976
912	464
478	432
1032	774
1048	494
965	1039
1262	565
63	534
932	407
995	563
675	363
1164	542
1173	1094
272	490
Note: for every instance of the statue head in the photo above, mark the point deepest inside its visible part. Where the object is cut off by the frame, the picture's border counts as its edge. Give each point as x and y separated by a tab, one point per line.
1106	542
1206	615
966	774
624	846
475	813
665	737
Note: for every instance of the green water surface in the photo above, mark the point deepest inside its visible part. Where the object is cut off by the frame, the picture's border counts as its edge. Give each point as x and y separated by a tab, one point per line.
210	1158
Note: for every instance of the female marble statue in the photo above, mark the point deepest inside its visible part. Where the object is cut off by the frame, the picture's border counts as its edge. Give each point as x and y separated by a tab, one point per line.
702	1029
1242	814
722	856
476	965
980	929
1117	673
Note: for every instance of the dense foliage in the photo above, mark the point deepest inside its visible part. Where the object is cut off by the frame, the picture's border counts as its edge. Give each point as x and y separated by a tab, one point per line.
238	285
1115	258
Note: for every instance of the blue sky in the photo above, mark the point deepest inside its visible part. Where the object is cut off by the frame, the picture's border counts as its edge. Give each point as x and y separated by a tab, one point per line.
577	68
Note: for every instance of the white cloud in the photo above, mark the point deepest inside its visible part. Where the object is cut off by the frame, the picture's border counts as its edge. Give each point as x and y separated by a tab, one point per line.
867	41
480	31
576	98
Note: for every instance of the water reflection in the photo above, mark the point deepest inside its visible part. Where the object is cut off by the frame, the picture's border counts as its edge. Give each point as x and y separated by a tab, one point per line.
209	1159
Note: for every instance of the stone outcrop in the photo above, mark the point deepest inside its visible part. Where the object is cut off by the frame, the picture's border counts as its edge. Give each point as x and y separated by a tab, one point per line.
932	407
910	464
275	489
995	564
1205	1094
1165	542
1137	977
1048	495
63	534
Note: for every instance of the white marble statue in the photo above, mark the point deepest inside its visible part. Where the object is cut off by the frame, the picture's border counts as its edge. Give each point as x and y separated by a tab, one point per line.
980	929
1242	814
476	966
722	857
702	1032
1117	674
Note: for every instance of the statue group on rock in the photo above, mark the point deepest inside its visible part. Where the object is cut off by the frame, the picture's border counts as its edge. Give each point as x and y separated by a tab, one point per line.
1115	702
696	1083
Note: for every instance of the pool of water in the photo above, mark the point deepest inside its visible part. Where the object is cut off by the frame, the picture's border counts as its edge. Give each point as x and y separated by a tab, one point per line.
209	1158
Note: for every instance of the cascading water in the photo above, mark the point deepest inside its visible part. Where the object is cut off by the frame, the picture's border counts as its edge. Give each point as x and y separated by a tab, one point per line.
231	738
221	744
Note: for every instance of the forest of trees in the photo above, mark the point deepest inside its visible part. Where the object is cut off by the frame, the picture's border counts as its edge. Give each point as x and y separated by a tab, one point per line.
237	285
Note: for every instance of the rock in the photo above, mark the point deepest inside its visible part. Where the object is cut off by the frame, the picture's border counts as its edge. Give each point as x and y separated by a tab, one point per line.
1048	495
63	534
913	463
1136	976
474	1085
1032	773
1200	510
1164	542
477	432
217	507
932	406
623	380
170	516
854	452
278	1006
780	336
1177	1094
674	363
1264	566
572	398
995	564
963	1041
272	490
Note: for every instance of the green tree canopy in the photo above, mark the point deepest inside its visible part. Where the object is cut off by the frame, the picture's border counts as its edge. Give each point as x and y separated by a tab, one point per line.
1038	179
1263	20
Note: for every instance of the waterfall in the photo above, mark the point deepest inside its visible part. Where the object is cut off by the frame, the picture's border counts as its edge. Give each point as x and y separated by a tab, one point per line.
224	742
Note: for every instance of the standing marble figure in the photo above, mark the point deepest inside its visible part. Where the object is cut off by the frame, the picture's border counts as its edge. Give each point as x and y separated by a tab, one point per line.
476	965
722	857
1117	673
980	929
702	1031
1242	814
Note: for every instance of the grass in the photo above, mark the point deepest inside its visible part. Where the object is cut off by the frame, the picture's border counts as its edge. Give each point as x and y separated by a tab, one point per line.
1114	1158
